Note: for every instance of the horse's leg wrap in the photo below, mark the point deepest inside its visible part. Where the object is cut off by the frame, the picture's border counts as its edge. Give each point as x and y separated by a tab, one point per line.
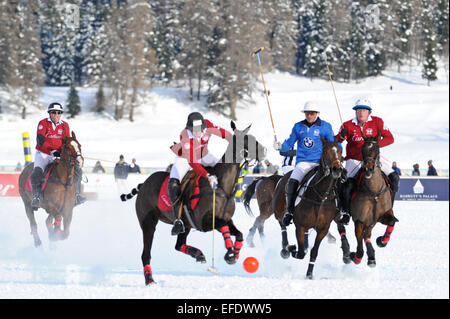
193	252
225	230
237	247
383	240
148	274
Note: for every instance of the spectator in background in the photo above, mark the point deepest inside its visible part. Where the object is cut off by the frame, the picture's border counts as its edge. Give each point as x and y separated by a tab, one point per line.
416	171
18	167
258	167
270	168
98	168
134	168
120	175
396	169
431	169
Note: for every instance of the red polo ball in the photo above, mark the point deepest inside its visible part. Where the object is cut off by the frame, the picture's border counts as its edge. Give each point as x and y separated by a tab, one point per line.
251	264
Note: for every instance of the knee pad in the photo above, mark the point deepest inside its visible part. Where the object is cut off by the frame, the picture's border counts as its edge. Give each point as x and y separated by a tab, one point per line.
394	179
173	189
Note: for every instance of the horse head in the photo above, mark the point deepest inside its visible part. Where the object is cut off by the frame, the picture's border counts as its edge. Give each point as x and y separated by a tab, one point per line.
71	150
370	154
243	147
331	159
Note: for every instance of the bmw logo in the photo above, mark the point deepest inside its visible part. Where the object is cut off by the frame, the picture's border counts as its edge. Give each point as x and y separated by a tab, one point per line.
308	142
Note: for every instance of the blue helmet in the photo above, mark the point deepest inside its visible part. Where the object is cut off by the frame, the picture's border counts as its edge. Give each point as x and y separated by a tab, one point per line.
362	103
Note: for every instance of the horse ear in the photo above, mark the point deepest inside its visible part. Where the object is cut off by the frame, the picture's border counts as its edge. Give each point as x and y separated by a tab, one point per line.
233	125
378	135
363	135
336	139
73	135
247	129
323	140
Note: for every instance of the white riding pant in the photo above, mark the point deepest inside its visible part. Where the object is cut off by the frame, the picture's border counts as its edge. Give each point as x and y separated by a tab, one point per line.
286	169
181	165
42	160
352	166
301	169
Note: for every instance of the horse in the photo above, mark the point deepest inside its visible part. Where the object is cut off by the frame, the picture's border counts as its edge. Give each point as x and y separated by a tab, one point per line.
58	196
264	188
372	202
317	208
241	149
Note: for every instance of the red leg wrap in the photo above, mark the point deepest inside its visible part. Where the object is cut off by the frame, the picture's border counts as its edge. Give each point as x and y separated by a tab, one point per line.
237	248
225	230
147	270
387	234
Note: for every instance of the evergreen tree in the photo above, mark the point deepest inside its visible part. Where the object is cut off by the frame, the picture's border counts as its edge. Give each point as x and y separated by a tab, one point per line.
100	100
429	64
73	105
441	23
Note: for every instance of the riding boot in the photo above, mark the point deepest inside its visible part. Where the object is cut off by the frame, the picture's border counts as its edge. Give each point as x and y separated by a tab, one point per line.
36	184
347	189
394	180
291	194
174	191
78	173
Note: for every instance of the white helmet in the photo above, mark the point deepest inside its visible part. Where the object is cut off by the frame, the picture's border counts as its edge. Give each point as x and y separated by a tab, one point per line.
55	106
311	106
363	103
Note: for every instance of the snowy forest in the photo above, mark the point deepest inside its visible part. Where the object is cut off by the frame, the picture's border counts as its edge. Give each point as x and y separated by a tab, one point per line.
124	47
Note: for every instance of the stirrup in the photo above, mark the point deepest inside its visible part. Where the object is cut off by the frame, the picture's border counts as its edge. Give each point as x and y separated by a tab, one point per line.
344	217
178	227
79	199
35	203
287	218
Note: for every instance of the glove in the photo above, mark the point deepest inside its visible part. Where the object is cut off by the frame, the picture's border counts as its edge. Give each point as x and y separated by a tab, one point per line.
56	153
277	145
212	179
343	133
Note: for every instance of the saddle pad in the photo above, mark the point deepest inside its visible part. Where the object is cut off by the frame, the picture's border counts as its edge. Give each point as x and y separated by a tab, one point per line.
28	186
303	188
164	203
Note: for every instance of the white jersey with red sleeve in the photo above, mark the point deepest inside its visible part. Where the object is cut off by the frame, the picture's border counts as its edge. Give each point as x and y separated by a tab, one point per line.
193	149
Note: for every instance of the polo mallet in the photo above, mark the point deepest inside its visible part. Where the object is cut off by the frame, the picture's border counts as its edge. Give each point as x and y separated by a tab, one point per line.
212	269
257	52
324	56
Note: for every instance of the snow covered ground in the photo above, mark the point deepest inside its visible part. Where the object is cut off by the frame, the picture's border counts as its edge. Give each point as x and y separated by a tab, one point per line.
101	259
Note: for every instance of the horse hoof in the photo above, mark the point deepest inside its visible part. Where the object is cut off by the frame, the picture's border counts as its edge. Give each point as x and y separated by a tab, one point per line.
371	263
309	276
250	244
380	242
356	260
284	253
230	257
149	281
200	258
347	260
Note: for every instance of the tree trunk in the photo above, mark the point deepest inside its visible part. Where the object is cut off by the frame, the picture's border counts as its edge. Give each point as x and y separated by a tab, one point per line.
133	103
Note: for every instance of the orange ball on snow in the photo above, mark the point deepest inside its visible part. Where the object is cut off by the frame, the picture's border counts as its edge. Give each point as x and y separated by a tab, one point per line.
251	264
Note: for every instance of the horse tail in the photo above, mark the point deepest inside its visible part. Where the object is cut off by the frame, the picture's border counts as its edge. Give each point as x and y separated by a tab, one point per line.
248	194
134	191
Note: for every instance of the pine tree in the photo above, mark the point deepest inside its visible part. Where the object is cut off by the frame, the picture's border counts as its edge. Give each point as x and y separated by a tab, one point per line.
429	64
73	105
100	100
402	24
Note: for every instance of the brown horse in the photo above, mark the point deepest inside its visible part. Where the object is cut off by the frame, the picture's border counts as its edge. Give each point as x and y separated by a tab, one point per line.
372	202
264	188
58	198
242	147
317	208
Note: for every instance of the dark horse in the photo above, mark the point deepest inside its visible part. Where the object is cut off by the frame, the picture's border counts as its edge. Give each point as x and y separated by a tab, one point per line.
372	202
317	208
59	194
242	147
264	188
